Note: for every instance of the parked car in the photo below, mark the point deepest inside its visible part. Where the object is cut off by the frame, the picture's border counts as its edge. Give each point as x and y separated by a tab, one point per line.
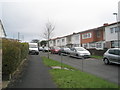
64	51
46	49
33	48
40	48
54	50
112	55
79	52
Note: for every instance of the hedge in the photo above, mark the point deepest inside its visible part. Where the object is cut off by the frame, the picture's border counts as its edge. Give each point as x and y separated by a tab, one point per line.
13	52
0	43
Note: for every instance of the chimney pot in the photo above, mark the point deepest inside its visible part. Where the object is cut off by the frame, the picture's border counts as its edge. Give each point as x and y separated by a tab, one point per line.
105	24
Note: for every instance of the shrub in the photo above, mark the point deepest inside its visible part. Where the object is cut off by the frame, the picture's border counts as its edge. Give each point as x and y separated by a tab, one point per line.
13	53
0	43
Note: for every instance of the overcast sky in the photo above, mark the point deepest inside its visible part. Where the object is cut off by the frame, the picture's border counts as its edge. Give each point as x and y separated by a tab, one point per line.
29	16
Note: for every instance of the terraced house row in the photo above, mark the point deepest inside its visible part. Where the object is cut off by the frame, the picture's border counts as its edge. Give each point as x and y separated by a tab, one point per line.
105	36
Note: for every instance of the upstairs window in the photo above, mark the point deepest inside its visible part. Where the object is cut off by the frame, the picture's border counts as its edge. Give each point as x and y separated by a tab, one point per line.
58	41
63	40
111	30
98	33
86	35
114	29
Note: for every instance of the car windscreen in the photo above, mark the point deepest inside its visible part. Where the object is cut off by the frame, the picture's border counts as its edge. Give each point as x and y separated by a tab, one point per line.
32	46
80	49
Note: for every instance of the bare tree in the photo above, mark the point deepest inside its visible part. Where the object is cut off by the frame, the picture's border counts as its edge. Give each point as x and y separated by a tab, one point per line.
49	28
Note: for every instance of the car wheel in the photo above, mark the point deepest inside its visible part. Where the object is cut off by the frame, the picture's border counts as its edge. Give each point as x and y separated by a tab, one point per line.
77	55
59	53
106	61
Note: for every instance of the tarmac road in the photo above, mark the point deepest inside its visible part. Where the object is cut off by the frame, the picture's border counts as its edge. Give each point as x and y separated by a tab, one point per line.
91	65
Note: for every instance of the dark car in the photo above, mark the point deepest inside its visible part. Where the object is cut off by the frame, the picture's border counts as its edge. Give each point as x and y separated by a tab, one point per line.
54	50
64	51
112	55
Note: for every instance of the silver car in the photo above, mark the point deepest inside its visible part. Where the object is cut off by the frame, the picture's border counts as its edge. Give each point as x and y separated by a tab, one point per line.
112	55
79	52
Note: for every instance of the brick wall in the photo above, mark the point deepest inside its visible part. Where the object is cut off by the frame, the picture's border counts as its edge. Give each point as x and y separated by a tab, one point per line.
88	39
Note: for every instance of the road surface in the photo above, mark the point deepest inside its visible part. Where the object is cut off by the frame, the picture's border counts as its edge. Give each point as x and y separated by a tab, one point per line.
91	65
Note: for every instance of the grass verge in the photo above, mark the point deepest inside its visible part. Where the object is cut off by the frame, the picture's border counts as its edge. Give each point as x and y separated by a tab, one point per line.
97	57
50	62
75	79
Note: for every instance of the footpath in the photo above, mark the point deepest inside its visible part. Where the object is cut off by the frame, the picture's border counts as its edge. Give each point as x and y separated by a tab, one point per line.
36	75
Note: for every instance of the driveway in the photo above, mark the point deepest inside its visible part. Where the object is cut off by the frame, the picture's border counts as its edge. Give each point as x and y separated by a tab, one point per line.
91	65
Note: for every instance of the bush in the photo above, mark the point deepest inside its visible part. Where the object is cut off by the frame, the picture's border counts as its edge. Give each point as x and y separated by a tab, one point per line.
13	53
0	43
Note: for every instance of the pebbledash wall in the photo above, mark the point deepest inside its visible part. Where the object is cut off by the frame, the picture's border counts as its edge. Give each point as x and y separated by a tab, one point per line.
111	35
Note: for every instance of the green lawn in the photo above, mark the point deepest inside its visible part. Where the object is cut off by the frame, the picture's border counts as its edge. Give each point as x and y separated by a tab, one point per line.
97	57
75	79
50	62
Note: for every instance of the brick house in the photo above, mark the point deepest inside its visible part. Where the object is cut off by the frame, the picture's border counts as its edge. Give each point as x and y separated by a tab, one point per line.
93	38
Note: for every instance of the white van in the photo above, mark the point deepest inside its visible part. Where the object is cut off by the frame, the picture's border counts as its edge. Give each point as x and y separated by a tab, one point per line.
33	48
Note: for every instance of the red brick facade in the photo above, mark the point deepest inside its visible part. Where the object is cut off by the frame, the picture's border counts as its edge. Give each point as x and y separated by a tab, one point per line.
97	35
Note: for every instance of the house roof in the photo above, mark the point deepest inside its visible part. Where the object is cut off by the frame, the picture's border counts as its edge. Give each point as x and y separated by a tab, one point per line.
98	28
112	24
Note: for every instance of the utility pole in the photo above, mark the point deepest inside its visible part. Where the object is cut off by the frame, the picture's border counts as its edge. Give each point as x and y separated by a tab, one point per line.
118	31
48	42
61	54
23	37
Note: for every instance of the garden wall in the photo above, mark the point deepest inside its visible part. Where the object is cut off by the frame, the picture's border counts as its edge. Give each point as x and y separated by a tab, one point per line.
97	52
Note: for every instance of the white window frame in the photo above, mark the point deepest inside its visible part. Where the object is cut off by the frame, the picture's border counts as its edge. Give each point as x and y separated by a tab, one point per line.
86	35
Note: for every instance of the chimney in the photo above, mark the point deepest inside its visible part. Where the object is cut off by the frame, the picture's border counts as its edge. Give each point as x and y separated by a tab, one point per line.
74	33
105	24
